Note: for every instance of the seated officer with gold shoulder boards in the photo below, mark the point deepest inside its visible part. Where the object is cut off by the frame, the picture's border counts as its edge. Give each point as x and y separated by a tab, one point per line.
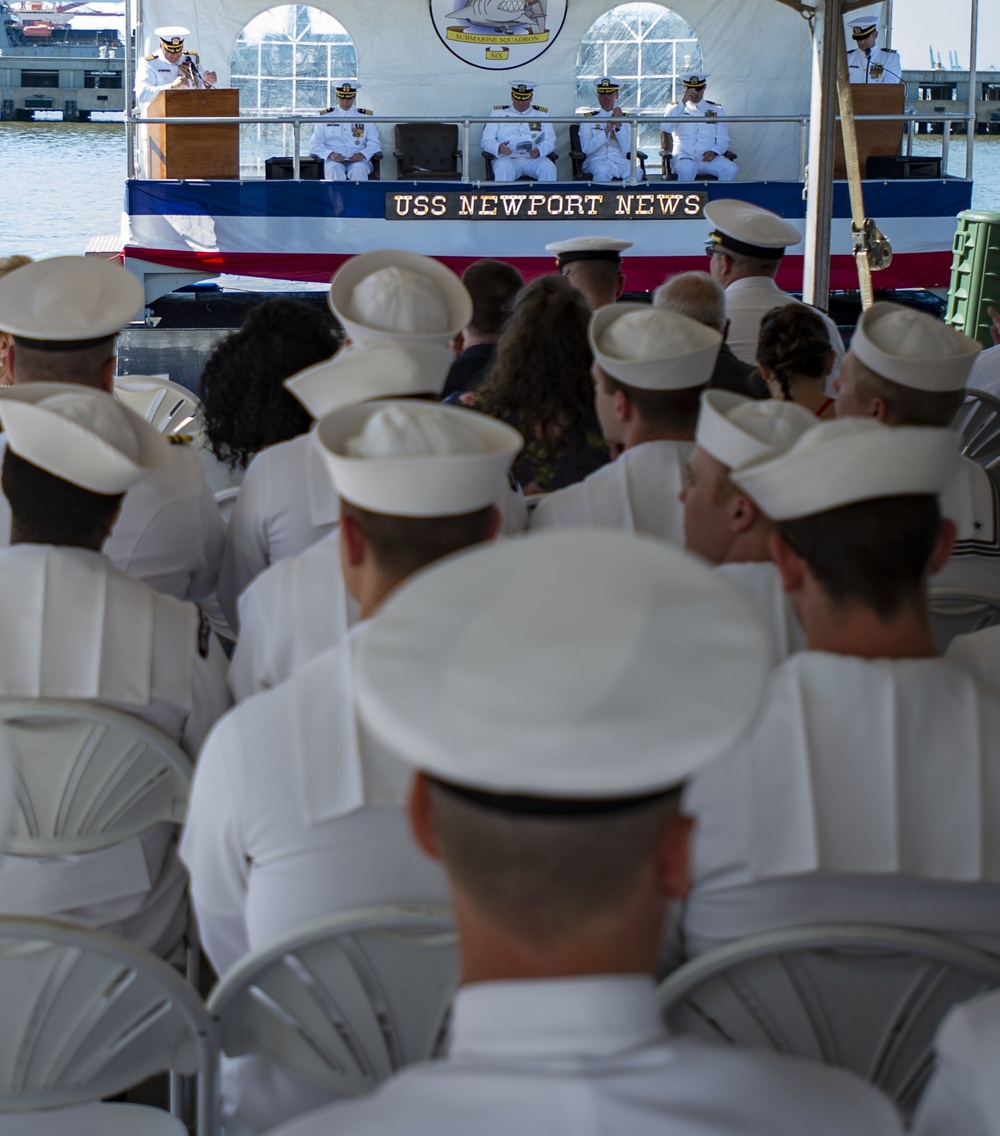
347	144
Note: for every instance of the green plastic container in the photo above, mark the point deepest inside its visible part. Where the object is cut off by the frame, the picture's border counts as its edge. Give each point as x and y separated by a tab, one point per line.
975	274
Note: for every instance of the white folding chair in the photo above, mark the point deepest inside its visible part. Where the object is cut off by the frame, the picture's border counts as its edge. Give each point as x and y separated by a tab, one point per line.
166	406
978	422
345	1001
86	1016
865	998
960	611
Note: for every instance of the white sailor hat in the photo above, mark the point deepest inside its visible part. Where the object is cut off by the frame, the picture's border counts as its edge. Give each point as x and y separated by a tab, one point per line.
749	229
417	459
736	430
695	80
913	348
172	37
848	460
359	372
652	348
81	435
68	302
346	88
863	26
522	89
587	248
607	86
398	295
608	684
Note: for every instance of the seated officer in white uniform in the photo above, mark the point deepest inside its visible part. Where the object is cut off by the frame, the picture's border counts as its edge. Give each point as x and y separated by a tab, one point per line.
64	314
300	606
866	61
76	627
722	523
287	502
560	862
745	248
521	148
593	265
701	142
907	368
869	787
605	138
650	367
343	140
295	813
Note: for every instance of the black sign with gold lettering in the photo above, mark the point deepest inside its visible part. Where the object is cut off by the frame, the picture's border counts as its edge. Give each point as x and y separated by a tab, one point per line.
600	204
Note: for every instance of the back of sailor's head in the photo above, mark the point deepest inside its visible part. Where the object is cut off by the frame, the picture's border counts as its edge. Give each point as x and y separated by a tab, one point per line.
695	295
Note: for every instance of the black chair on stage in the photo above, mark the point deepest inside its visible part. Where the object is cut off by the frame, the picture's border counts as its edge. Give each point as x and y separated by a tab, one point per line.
427	151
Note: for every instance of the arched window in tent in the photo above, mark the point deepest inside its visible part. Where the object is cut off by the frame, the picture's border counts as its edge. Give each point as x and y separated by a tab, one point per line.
647	47
287	61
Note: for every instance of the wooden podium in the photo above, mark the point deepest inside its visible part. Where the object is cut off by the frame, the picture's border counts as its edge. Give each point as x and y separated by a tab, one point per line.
208	152
875	139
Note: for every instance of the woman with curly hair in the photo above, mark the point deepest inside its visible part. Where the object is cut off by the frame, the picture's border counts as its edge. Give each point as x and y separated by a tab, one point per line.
540	383
246	406
795	358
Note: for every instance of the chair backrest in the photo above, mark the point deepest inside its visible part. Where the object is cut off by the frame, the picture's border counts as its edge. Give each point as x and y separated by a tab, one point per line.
87	777
960	611
427	148
345	1001
978	422
864	998
166	406
87	1015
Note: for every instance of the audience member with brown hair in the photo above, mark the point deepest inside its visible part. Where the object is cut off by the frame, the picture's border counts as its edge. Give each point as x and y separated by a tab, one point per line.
492	284
795	358
540	383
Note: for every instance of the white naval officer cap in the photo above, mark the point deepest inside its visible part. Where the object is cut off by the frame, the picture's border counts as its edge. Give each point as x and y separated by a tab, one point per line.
607	85
522	89
587	248
346	88
736	430
695	79
863	26
68	302
363	371
913	348
749	229
848	460
81	435
608	684
417	459
172	36
399	295
652	348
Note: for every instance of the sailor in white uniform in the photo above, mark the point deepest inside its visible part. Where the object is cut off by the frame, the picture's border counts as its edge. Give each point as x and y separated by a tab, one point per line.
76	627
169	68
559	856
745	248
521	148
271	844
867	791
700	141
866	61
593	265
650	367
605	138
343	140
64	314
906	367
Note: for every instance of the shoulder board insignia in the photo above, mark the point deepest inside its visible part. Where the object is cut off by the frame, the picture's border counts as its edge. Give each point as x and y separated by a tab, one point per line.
589	113
329	110
150	58
362	110
193	54
499	106
179	439
711	104
544	110
204	634
890	51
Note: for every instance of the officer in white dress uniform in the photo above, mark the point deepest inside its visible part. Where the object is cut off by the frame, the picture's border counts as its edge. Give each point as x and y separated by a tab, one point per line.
605	138
64	314
868	790
521	148
287	501
555	854
745	248
701	142
343	140
866	61
723	524
170	68
906	368
593	265
274	843
76	627
650	367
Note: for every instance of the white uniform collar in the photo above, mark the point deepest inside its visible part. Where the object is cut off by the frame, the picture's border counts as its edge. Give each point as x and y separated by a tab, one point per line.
321	493
746	283
593	1016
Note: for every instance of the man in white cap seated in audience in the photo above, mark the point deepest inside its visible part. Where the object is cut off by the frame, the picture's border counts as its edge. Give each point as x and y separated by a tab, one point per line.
722	523
605	139
907	368
650	367
287	502
64	314
560	861
294	812
593	265
745	248
76	627
868	790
